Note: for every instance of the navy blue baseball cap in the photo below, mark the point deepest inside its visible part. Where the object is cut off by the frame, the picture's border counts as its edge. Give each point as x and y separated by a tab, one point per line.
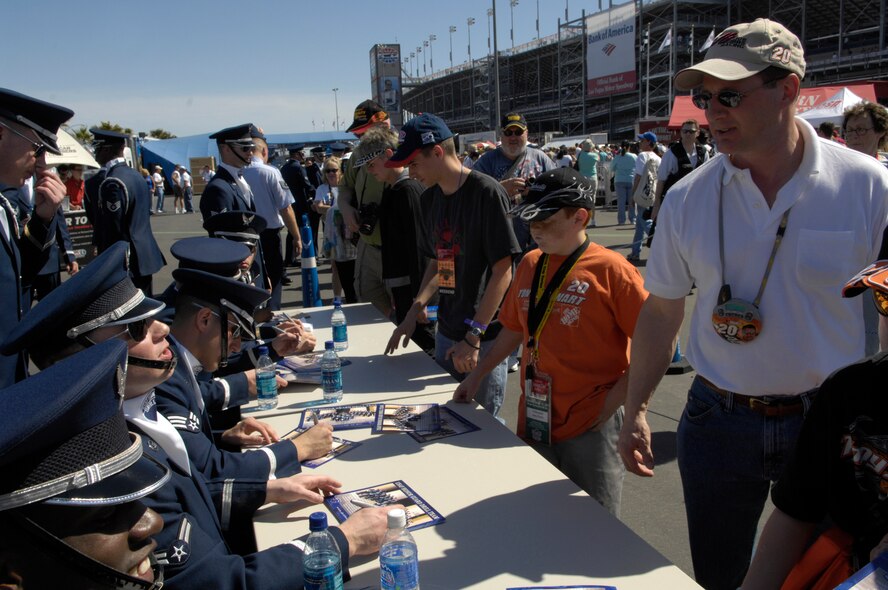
238	226
102	294
107	138
64	438
552	191
43	117
421	131
648	135
244	132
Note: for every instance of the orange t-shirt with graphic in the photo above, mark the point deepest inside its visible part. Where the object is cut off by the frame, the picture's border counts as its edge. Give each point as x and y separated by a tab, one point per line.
584	345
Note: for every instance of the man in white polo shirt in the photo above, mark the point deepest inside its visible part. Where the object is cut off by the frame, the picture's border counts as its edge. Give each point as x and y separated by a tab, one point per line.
769	240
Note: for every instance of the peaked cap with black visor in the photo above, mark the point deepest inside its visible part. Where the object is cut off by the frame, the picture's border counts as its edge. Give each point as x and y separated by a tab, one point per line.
65	442
208	271
239	136
102	294
43	117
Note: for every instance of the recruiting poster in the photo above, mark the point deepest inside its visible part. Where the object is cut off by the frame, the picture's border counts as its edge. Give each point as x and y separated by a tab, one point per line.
610	51
385	80
419	513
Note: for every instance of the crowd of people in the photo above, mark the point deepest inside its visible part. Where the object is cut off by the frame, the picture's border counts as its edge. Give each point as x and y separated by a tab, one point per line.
115	474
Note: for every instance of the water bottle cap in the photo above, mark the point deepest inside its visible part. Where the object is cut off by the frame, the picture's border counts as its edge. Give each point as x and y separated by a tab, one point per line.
328	345
317	521
397	519
263	350
336	302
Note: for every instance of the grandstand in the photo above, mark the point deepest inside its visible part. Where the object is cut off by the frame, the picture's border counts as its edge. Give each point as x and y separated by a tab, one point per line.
844	41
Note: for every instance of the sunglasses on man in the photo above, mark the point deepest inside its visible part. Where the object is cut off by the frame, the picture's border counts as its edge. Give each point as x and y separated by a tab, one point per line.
727	98
39	148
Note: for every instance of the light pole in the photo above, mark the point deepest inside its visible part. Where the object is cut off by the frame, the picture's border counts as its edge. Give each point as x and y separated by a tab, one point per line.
470	21
452	31
566	4
336	102
538	19
424	70
432	53
412	56
512	5
489	20
418	51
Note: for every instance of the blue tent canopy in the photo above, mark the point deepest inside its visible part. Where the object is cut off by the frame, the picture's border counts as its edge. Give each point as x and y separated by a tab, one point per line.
169	152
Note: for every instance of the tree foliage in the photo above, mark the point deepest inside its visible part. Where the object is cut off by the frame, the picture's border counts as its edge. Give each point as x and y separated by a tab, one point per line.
161	134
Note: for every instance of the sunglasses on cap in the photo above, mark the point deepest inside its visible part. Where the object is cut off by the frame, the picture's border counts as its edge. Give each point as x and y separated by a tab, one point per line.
729	98
38	148
513	132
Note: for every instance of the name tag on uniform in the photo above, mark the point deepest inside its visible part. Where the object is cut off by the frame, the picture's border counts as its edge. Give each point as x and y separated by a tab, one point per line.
538	407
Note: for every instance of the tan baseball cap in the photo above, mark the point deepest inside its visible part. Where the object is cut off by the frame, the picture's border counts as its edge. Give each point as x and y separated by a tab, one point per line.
743	50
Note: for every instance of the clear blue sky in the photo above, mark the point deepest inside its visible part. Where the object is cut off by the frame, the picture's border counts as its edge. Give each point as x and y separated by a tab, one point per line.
195	66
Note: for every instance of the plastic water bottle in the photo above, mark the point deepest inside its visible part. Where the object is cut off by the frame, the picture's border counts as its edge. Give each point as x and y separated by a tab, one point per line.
321	561
398	558
340	326
266	382
331	373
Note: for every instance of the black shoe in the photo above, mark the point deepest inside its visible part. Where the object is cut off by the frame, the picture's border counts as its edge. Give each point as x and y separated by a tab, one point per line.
286	281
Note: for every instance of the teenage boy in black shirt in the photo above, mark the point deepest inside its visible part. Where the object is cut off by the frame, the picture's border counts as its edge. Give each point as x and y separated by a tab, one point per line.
469	242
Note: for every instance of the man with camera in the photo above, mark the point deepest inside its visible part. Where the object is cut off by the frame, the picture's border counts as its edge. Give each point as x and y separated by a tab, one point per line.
359	196
515	164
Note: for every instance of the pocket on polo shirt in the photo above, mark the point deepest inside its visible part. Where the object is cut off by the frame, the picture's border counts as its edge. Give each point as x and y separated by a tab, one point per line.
825	257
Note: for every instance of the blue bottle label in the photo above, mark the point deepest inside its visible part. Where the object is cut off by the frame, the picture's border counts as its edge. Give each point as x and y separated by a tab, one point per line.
327	578
267	386
332	380
340	333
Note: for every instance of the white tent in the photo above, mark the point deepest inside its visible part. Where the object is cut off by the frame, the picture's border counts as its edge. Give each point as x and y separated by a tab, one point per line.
831	109
72	153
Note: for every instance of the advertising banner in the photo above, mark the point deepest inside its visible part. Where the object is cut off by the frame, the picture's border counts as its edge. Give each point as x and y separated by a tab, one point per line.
610	51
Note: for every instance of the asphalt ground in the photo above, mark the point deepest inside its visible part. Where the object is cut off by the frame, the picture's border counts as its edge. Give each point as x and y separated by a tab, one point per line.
652	507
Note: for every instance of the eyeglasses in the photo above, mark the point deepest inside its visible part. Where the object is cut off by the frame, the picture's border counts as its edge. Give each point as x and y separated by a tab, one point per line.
513	132
233	332
689	131
858	131
727	98
38	148
331	170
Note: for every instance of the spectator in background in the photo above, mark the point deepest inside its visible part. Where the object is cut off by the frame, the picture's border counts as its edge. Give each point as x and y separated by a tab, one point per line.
178	195
865	129
563	159
158	188
74	186
338	241
827	130
513	163
647	141
207	174
187	189
623	167
150	182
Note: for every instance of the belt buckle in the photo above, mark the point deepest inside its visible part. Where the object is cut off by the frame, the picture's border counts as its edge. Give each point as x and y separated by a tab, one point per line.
754	402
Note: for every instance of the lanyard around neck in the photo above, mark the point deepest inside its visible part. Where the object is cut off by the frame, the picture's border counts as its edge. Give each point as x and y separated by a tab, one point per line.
781	230
540	300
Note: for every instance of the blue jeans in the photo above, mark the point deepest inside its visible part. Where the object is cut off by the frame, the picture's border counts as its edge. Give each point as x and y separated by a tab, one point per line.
642	227
189	194
728	456
493	387
158	192
624	202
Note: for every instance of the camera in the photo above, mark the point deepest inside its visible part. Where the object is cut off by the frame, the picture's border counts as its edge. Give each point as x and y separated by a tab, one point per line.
369	218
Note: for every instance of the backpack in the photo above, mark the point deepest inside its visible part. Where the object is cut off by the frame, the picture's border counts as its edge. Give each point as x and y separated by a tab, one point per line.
644	192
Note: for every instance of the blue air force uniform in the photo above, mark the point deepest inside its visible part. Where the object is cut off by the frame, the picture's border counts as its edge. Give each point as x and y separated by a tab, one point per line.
23	251
201	516
120	207
224	193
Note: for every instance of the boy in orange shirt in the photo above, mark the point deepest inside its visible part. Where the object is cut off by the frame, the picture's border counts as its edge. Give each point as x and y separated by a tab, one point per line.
573	306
